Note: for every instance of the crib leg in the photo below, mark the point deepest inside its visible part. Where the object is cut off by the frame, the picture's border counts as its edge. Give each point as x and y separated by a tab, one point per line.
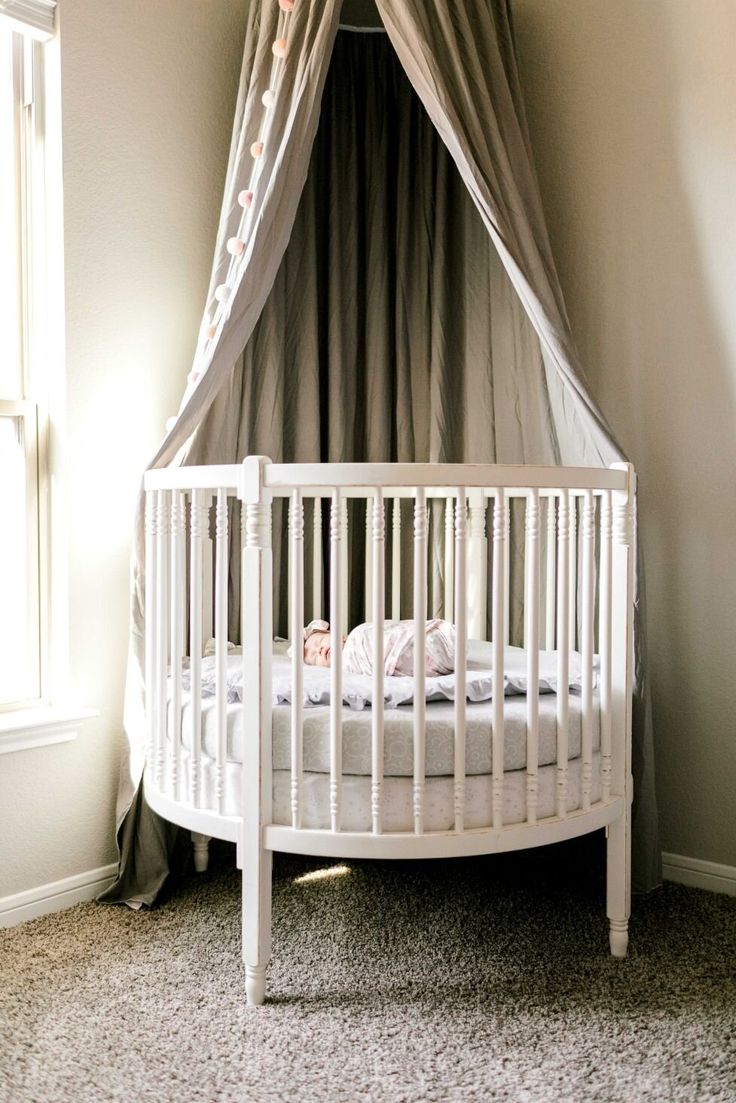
257	923
201	845
618	894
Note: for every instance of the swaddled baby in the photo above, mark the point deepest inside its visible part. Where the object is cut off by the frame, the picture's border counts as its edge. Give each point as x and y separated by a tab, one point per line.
398	647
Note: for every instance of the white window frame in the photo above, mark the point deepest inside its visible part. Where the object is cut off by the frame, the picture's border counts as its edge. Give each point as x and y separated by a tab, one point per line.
35	18
50	717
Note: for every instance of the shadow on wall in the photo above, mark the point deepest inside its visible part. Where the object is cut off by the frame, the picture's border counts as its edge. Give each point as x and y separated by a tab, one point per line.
632	110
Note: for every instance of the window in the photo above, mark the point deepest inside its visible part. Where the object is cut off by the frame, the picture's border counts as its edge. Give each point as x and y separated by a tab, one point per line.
32	578
21	406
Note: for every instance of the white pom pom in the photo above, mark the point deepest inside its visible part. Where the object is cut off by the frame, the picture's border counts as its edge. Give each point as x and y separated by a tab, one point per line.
222	293
235	246
268	99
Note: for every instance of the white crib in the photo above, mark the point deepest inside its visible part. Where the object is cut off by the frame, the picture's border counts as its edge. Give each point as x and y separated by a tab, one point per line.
576	565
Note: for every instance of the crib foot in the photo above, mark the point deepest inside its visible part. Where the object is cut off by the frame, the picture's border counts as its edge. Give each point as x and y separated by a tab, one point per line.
619	937
255	984
201	845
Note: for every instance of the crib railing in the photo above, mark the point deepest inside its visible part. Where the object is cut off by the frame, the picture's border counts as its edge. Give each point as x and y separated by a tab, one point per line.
571	573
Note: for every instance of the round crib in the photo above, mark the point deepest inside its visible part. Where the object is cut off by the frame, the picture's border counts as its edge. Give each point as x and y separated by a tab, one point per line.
534	565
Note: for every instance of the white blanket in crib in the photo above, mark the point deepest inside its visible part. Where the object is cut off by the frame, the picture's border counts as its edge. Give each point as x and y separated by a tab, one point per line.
357	689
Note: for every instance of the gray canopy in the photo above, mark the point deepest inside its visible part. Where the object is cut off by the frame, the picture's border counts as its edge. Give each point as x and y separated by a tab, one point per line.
395	297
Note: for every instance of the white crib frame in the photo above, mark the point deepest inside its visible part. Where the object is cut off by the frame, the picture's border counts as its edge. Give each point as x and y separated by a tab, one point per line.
568	607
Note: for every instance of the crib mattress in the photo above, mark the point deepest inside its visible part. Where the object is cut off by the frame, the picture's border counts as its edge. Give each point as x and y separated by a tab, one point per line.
399	736
397	797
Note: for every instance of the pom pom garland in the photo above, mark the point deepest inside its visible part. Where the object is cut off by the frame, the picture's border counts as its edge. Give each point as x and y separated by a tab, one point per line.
235	245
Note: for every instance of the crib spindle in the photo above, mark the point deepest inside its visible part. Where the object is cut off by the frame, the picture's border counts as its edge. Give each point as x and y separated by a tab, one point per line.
176	608
162	634
588	614
151	532
507	572
477	565
221	631
344	573
563	648
573	574
396	560
296	634
317	560
420	654
449	558
461	654
198	532
500	535
531	642
549	577
378	534
604	645
368	601
208	604
336	621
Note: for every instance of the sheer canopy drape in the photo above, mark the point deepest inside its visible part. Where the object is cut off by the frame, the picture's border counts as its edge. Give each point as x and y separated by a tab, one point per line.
416	313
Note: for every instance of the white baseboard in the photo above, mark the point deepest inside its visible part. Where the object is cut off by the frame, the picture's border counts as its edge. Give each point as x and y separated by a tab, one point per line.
56	895
699	874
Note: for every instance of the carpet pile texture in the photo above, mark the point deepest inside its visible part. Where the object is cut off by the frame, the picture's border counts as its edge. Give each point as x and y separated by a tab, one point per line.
478	979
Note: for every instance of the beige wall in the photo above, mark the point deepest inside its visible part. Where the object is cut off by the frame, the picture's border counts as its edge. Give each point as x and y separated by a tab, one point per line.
632	110
148	95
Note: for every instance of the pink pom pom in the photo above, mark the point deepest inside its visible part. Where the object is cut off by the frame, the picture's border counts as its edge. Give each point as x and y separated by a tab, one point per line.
211	331
279	47
286	5
256	150
268	99
245	198
235	246
222	292
193	377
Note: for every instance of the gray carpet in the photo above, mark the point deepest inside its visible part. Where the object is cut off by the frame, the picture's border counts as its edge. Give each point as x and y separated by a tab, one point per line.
483	979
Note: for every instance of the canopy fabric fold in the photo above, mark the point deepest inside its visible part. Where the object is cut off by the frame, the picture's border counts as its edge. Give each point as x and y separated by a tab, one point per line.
466	76
459	58
276	180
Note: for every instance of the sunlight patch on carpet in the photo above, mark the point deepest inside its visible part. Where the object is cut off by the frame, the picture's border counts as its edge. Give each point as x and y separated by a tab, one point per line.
322	874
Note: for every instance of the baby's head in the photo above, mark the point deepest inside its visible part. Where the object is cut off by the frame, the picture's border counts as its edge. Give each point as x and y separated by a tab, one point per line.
318	643
317	648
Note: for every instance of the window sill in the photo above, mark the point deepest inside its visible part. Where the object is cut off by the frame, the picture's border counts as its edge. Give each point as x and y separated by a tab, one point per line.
23	729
